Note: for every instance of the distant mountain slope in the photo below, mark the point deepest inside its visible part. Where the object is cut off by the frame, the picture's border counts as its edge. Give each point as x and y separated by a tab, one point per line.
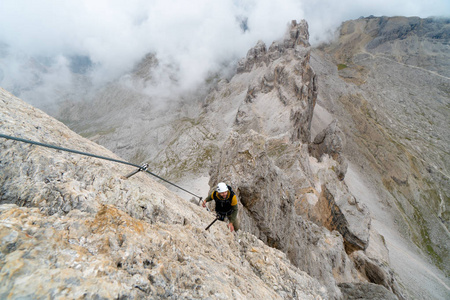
387	82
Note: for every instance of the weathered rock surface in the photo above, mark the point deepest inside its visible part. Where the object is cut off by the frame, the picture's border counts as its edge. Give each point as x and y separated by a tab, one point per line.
268	192
282	94
376	272
275	182
113	255
365	291
267	159
70	227
386	81
331	141
338	210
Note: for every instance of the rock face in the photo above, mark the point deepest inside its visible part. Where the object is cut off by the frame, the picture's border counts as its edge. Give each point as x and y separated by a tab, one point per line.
70	227
268	191
266	158
365	291
331	141
112	255
283	91
386	81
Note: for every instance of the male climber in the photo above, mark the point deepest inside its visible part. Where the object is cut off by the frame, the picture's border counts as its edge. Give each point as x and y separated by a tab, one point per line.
226	204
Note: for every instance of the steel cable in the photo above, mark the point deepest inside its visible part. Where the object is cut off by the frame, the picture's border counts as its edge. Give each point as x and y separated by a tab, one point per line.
95	156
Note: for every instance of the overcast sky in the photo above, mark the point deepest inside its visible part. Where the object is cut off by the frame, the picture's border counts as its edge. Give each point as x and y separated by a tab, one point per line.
196	36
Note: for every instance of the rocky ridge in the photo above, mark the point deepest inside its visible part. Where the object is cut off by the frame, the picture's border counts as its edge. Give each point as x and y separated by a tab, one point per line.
71	227
267	159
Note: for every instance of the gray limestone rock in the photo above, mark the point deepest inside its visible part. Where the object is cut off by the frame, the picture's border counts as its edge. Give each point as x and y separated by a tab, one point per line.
365	291
71	227
266	186
283	92
331	141
296	38
377	272
255	56
386	79
338	210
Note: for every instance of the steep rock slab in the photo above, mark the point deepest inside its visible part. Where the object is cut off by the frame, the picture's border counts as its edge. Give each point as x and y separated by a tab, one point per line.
85	232
58	182
267	194
341	212
112	255
377	272
337	209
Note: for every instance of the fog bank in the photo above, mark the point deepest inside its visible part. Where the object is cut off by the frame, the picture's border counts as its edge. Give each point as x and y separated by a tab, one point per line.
50	51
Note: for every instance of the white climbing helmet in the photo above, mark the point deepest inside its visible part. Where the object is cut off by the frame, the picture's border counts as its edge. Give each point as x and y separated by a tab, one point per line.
222	187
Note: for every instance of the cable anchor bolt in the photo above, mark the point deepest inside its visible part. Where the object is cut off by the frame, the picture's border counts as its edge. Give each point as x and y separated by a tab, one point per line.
144	167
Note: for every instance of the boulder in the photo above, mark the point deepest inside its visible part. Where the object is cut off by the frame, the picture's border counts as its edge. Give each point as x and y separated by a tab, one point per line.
338	210
377	272
365	291
331	141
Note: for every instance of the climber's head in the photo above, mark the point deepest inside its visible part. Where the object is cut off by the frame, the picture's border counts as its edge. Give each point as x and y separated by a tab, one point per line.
222	189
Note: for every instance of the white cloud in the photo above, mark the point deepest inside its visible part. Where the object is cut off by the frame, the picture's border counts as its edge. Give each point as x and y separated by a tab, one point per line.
195	36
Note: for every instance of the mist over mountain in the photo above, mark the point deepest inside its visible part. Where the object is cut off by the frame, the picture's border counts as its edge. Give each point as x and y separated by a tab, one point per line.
338	153
51	52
